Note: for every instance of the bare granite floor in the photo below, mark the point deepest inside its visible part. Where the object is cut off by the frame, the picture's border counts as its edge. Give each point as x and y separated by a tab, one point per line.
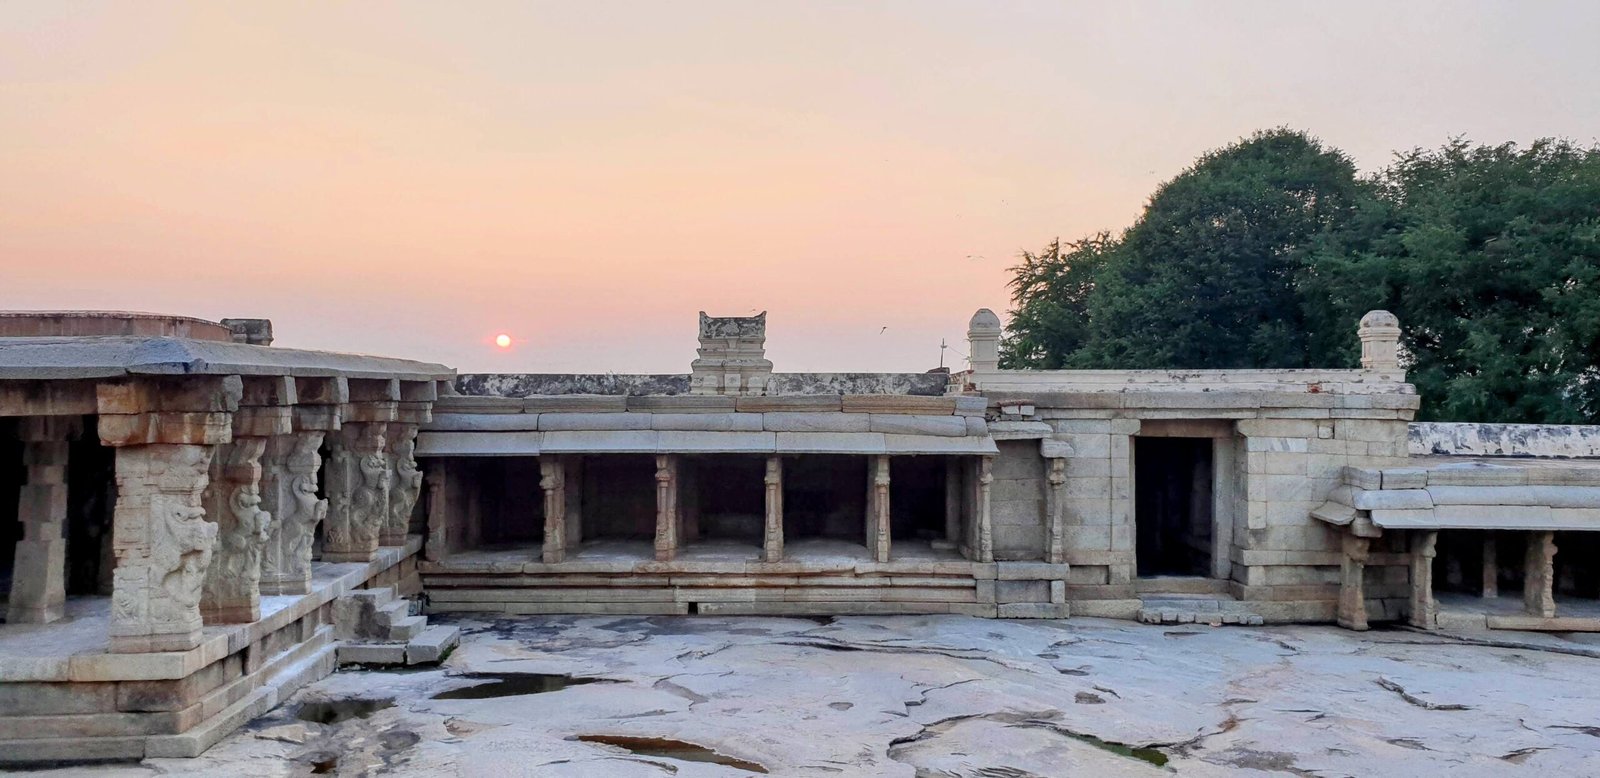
937	696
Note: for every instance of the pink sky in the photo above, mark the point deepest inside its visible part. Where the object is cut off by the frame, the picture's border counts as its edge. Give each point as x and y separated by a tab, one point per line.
412	178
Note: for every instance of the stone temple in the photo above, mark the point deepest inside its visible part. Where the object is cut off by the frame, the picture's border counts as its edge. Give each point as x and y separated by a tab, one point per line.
199	522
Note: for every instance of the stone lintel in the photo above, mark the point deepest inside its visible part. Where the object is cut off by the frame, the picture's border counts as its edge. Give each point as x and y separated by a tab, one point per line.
176	427
187	394
374	390
47	398
322	391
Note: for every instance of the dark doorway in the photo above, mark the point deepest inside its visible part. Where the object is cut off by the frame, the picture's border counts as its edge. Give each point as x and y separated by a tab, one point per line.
1172	505
916	498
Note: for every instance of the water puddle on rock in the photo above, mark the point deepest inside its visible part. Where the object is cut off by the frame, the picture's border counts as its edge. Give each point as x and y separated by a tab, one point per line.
672	749
512	685
335	711
1152	755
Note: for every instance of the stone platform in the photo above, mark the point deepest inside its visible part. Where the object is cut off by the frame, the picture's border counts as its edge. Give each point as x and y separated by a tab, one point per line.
65	696
817	576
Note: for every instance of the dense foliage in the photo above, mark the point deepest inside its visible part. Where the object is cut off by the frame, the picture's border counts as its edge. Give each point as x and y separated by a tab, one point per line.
1266	254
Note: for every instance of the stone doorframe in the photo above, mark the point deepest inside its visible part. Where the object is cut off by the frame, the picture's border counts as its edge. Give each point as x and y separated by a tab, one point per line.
1225	486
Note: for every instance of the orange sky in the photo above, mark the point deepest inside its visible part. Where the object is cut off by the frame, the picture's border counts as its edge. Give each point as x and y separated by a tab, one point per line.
413	178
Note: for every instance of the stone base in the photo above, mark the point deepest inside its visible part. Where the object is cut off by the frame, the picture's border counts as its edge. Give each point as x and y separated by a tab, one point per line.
239	614
273	588
149	644
65	697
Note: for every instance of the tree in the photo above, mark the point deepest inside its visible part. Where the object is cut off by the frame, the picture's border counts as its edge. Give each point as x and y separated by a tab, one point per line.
1207	277
1051	292
1491	259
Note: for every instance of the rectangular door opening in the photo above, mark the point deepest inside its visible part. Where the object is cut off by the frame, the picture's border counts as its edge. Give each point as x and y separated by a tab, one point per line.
1172	506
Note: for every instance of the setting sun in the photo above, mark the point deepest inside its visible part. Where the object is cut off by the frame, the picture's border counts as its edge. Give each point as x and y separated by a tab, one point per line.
502	340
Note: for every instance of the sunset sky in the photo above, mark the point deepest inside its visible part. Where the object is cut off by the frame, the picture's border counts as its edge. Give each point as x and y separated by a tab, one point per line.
413	179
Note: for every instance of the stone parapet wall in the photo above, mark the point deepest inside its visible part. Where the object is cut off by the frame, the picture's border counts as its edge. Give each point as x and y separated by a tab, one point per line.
668	385
1567	441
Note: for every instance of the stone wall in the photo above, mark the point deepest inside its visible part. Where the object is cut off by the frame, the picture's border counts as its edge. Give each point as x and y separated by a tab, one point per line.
1016	503
639	385
1504	440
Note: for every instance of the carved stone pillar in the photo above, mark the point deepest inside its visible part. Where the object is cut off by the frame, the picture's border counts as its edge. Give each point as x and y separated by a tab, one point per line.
878	507
1424	611
164	431
1055	512
1491	566
289	492
357	471
405	482
232	501
1538	578
553	480
666	507
985	522
39	577
772	542
1352	612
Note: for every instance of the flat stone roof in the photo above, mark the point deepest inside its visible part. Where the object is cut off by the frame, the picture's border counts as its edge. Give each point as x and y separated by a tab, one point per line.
80	357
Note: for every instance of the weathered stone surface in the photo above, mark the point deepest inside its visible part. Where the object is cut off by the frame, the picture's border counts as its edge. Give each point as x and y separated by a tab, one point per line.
163	546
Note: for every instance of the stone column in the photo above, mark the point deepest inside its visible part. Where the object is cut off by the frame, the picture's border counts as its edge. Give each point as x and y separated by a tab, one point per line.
1352	612
414	408
985	548
233	501
289	468
983	341
666	507
405	482
553	480
39	576
952	500
1491	567
437	477
1055	512
358	473
772	544
878	507
1538	578
1424	611
165	431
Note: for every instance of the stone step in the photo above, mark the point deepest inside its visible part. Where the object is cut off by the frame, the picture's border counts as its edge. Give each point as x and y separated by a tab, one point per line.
406	628
1215	618
372	654
432	644
390	613
377	597
1174	584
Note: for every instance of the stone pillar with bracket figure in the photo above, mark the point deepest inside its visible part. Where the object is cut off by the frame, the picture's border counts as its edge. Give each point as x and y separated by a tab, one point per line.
1424	611
165	431
289	470
357	472
233	501
415	408
39	575
1356	543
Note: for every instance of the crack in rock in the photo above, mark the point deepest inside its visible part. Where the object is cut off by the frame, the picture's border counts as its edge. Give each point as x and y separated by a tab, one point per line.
1385	683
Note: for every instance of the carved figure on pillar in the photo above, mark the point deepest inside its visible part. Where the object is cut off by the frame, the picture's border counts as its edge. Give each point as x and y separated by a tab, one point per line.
163	546
358	493
289	492
405	483
232	499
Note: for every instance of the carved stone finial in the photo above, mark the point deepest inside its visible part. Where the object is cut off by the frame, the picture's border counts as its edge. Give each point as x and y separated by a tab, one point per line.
732	356
1380	341
983	341
255	332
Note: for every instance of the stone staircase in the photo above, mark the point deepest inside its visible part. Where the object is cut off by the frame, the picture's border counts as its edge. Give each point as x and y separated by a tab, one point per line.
377	627
1191	601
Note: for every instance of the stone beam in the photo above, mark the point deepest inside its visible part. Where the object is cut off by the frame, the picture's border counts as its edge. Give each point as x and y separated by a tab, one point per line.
47	398
38	578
